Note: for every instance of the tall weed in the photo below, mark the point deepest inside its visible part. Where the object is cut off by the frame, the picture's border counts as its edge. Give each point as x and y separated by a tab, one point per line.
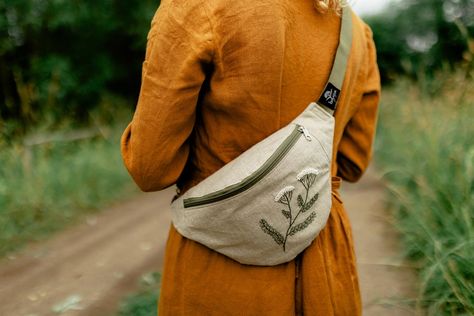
426	148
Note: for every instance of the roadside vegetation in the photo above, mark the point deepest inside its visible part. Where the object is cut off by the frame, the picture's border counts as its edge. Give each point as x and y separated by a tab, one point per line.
51	179
144	302
425	147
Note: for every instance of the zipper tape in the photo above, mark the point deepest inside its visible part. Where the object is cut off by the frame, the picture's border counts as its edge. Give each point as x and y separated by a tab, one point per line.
256	176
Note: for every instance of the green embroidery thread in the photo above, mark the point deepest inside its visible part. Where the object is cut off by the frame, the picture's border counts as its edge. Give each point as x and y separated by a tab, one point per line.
267	228
307	178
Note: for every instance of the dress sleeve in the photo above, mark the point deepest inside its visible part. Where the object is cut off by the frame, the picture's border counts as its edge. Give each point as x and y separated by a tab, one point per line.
155	144
355	148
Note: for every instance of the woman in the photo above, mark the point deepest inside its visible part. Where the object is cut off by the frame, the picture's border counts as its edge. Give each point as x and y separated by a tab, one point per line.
218	77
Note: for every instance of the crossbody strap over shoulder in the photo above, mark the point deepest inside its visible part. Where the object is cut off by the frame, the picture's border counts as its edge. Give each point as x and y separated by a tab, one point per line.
330	96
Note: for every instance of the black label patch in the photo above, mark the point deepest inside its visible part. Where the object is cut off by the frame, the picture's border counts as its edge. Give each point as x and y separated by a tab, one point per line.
330	96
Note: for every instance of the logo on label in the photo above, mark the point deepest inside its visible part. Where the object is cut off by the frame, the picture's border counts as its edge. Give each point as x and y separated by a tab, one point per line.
330	96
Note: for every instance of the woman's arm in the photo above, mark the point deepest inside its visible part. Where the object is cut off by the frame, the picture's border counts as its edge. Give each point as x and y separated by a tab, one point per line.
355	148
155	144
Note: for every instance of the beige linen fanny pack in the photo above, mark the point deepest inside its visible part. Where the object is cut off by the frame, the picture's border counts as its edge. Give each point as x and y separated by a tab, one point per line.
269	204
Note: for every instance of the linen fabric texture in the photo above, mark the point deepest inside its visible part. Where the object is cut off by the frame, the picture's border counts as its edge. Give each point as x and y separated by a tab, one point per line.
218	77
260	226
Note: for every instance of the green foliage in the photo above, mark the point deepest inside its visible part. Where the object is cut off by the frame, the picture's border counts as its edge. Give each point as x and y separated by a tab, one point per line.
419	37
58	57
45	187
143	303
426	148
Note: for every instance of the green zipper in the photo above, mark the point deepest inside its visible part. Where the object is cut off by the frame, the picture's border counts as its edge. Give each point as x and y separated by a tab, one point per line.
255	177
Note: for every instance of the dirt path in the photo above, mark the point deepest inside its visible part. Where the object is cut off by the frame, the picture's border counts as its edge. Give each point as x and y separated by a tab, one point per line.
386	281
91	266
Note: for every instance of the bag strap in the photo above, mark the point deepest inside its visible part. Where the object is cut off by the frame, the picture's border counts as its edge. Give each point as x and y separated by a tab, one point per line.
330	96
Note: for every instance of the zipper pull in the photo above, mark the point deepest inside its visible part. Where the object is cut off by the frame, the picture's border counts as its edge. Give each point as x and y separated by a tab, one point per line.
305	132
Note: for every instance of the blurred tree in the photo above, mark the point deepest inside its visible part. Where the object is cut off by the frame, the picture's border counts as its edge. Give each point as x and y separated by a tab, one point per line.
418	37
58	57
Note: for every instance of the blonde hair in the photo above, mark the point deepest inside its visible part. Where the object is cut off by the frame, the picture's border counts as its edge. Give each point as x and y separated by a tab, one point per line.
326	5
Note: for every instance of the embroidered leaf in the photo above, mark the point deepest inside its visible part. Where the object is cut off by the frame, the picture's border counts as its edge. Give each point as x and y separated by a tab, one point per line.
311	202
267	228
300	201
302	225
286	214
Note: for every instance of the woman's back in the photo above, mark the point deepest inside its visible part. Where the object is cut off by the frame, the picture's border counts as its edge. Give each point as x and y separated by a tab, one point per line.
271	60
219	76
236	71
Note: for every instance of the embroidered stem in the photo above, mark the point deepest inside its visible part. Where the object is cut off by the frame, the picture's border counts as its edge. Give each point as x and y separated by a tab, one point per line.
293	221
288	230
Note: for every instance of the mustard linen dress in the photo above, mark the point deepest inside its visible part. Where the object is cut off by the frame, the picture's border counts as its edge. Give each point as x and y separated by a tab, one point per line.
218	77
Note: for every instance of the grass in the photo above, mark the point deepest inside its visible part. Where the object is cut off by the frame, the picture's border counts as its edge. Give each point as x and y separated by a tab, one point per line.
143	303
425	145
46	187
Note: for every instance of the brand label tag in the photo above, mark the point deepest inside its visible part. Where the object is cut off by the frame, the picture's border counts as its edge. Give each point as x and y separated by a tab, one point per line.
330	96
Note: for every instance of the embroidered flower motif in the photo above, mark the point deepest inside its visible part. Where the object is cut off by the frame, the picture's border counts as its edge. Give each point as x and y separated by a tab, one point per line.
285	195
307	177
